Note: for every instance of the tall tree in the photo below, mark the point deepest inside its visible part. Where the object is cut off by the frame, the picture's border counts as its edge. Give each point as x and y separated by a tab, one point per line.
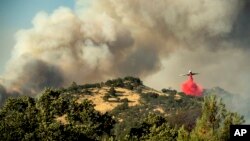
214	122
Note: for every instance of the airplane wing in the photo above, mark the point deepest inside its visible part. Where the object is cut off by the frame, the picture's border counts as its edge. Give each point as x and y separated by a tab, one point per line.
184	74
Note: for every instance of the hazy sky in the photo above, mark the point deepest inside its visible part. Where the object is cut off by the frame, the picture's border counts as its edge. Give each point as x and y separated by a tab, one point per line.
18	14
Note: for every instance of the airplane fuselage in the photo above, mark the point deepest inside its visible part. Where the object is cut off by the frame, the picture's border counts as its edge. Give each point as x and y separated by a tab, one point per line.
190	74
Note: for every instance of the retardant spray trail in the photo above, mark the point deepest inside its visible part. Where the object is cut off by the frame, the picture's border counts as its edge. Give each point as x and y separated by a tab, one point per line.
189	87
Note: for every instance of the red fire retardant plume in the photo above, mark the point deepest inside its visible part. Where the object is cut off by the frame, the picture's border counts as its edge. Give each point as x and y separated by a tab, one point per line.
189	87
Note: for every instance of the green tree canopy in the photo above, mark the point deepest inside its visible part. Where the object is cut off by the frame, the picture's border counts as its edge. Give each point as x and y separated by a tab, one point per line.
214	123
25	118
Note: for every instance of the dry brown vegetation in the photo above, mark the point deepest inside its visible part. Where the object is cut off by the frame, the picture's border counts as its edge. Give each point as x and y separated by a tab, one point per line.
105	106
62	119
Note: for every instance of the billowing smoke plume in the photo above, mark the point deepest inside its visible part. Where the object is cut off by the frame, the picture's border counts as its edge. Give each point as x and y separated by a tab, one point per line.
154	40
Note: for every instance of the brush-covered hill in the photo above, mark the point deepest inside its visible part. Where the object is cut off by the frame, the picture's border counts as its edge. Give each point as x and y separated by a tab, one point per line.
118	109
129	101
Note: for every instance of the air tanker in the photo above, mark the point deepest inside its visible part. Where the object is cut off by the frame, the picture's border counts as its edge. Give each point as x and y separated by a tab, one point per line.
190	74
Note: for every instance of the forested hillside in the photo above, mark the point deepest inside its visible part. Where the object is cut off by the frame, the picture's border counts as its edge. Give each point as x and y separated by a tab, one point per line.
119	109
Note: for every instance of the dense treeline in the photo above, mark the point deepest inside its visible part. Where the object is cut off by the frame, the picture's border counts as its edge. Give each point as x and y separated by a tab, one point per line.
128	82
25	118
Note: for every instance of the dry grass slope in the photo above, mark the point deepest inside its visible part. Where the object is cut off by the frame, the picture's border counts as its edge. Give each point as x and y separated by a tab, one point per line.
105	106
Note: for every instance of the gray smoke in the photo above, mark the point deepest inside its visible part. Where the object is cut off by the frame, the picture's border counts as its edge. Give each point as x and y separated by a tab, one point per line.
2	94
155	40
